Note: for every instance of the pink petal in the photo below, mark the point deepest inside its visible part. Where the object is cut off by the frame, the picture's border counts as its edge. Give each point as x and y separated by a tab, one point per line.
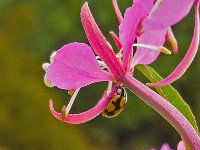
147	56
87	115
75	66
181	146
189	56
117	11
128	29
168	13
116	40
99	43
165	147
147	5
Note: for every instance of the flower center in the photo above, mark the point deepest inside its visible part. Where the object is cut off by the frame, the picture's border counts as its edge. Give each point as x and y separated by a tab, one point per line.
101	63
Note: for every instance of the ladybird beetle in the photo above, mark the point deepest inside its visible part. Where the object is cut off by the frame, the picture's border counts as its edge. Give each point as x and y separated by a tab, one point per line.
116	104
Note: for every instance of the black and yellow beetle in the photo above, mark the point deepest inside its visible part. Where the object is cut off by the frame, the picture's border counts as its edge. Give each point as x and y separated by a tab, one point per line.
117	103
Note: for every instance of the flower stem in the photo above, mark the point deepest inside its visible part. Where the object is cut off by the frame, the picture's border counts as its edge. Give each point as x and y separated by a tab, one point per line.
166	110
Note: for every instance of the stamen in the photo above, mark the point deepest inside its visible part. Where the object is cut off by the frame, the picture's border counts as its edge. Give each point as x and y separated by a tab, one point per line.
155	6
45	66
119	55
69	106
109	88
63	113
101	63
156	48
164	50
171	40
47	82
52	56
70	92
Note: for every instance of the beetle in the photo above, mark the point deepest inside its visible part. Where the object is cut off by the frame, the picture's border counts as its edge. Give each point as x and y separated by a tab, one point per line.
116	104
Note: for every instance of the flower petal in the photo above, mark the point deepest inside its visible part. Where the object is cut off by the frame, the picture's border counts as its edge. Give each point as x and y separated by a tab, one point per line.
144	55
168	13
147	5
75	66
189	56
181	146
128	29
87	115
116	40
99	43
117	11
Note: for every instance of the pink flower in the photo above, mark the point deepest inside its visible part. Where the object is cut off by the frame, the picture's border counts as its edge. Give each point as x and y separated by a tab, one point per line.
75	64
165	146
157	17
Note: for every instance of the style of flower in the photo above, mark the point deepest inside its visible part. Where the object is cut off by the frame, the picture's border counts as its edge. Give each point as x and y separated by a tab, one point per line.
75	64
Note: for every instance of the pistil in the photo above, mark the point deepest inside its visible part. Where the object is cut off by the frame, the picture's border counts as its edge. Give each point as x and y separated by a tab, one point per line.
65	110
156	48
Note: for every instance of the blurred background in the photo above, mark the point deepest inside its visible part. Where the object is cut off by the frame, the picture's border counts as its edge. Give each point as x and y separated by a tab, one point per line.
29	32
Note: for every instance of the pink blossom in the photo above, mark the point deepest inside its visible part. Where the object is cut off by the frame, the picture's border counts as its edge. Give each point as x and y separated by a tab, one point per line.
157	17
189	56
75	64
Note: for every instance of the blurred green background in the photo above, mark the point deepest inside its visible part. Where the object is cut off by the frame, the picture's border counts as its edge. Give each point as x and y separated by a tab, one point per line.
29	32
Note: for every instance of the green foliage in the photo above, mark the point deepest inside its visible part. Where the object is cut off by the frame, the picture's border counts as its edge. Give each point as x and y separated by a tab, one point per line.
170	94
